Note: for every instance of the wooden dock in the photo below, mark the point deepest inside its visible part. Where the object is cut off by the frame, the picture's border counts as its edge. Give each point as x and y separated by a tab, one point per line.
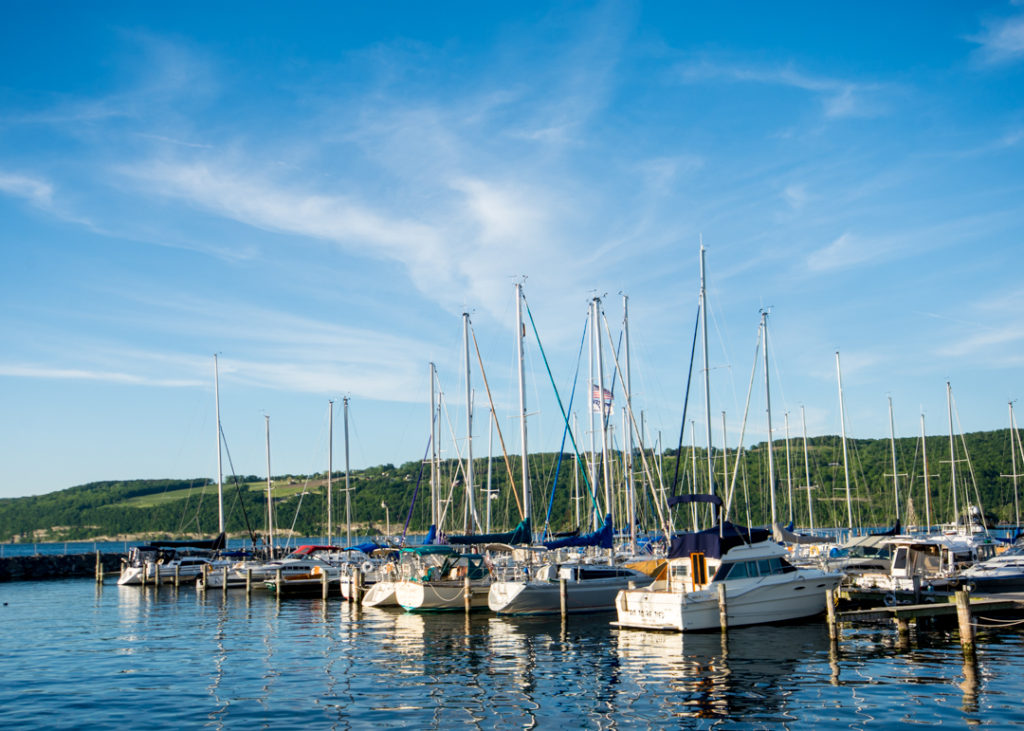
959	604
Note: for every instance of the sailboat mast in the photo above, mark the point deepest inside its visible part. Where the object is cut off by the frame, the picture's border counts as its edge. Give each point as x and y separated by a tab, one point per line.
330	470
627	432
434	516
1013	464
789	471
220	464
895	477
846	461
520	337
348	488
952	453
707	379
807	470
601	415
592	467
927	486
768	402
490	452
270	501
470	497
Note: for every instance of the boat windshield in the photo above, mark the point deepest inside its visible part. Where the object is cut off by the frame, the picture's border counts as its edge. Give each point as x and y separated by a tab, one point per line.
753	569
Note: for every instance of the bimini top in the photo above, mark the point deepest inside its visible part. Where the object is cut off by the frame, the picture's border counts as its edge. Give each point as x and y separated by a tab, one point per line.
715	541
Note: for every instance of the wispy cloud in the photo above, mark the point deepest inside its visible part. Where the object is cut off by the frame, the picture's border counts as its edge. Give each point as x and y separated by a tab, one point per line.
23	370
36	191
839	98
1001	42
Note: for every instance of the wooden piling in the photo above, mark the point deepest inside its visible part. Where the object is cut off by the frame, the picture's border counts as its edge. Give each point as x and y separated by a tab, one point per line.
917	588
723	614
248	581
963	615
204	579
563	596
830	611
278	588
224	580
145	570
99	568
323	584
467	594
177	576
357	586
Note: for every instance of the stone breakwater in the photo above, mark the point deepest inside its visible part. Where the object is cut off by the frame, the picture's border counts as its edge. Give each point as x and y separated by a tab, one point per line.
34	568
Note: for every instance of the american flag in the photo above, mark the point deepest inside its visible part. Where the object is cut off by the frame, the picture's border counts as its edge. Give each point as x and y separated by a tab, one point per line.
595	399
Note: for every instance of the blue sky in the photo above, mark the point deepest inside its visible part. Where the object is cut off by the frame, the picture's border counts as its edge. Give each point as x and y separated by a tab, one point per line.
317	195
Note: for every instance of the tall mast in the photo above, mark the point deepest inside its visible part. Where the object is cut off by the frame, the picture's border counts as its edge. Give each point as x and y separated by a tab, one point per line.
768	402
270	502
520	337
895	477
627	432
434	516
789	471
470	496
927	486
707	379
576	471
220	465
348	489
1013	463
807	470
952	454
601	416
592	467
330	470
846	461
490	450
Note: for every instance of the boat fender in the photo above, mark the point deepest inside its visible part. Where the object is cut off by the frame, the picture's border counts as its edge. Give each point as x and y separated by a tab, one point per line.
366	567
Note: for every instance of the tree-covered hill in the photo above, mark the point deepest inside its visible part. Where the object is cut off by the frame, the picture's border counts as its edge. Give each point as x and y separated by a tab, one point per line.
383	496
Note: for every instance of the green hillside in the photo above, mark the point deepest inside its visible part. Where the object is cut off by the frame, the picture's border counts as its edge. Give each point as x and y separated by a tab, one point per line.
181	507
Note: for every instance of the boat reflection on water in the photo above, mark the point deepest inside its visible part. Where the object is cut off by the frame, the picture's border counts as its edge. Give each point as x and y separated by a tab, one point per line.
740	674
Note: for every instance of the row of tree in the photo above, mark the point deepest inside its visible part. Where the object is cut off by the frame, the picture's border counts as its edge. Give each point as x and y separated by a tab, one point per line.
398	497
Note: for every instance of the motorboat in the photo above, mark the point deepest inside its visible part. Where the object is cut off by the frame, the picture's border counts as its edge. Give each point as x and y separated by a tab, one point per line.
731	562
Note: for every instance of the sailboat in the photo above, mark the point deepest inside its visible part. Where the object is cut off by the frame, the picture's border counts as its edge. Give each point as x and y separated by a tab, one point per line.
169	561
726	569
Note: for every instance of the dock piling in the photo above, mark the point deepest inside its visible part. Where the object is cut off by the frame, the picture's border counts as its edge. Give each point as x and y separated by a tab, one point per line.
830	611
723	614
563	596
963	615
467	594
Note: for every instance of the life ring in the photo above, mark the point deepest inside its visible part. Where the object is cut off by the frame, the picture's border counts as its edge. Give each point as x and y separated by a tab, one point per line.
889	600
367	567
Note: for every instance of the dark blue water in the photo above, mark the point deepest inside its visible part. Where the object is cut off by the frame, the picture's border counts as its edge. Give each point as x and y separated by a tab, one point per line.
78	655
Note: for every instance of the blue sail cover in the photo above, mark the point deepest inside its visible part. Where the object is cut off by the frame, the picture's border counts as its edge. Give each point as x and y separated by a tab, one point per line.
715	541
431	535
601	538
367	548
521	535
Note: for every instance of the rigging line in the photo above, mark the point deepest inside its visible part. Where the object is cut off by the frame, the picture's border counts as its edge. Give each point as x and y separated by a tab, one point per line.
743	430
686	402
558	397
416	492
501	438
561	448
238	490
643	456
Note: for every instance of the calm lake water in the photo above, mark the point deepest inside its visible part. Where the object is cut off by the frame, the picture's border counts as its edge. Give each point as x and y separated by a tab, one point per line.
79	655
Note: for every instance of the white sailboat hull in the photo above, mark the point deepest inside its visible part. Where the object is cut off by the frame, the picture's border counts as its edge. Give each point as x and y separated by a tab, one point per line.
544	597
440	596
